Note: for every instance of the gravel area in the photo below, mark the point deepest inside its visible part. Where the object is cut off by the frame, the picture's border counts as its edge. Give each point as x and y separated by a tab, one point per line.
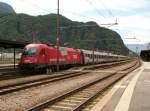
19	101
29	78
21	80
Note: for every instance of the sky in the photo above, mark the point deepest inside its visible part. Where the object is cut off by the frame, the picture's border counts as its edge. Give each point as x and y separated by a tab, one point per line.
132	16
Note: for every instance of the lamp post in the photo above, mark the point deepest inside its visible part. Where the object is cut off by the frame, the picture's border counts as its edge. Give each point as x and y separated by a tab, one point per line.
57	36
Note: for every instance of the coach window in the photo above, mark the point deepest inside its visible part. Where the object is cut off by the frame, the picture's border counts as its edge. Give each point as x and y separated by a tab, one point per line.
95	56
85	55
90	56
42	52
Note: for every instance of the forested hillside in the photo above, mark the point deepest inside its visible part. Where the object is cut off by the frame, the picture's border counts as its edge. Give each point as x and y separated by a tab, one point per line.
22	27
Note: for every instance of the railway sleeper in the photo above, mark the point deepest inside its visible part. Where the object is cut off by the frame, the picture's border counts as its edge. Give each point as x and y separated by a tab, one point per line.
59	108
67	103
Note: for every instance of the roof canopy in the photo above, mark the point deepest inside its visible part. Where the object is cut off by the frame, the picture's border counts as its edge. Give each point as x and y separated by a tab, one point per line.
12	44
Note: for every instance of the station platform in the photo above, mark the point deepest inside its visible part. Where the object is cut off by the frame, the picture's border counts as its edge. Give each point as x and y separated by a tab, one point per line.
4	66
7	65
132	93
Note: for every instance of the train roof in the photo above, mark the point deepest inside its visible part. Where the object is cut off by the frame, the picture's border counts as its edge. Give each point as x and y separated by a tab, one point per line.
35	45
145	50
47	45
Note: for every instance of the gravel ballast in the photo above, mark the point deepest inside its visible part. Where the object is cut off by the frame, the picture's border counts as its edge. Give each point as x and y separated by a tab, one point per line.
21	100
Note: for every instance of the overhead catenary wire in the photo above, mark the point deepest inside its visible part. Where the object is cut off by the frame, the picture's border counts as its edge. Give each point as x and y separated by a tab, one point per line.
109	12
101	14
94	25
81	15
76	14
97	10
37	6
106	8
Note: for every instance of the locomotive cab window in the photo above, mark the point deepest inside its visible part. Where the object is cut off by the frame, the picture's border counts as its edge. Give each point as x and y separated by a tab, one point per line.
42	52
29	51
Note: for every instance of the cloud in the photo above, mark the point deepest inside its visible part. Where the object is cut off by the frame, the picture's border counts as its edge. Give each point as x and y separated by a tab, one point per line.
126	5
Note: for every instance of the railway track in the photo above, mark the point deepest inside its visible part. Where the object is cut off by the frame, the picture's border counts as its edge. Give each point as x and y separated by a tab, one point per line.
29	84
8	72
75	99
24	83
2	66
6	68
107	65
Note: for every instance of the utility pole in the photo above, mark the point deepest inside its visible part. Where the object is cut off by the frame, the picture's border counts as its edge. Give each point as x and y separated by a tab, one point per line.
93	52
58	35
33	38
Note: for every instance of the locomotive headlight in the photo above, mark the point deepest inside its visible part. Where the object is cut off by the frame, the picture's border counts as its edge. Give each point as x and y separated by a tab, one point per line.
27	61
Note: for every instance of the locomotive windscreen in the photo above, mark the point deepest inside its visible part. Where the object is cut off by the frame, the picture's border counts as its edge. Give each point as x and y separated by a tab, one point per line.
145	55
29	51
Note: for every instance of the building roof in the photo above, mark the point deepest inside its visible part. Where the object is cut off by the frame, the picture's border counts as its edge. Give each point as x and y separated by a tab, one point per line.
12	44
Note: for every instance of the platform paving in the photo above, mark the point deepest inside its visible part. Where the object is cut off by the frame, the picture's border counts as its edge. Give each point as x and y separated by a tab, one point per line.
130	94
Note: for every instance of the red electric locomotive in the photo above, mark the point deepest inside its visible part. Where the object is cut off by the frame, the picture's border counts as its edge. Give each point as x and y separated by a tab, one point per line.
41	57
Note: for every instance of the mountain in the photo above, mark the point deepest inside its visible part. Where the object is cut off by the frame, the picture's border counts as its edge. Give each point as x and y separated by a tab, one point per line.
22	27
5	8
137	47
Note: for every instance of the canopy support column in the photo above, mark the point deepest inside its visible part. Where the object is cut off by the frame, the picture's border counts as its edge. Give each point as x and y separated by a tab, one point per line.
14	58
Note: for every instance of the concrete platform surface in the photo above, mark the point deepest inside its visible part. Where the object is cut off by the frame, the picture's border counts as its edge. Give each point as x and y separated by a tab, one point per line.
132	93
